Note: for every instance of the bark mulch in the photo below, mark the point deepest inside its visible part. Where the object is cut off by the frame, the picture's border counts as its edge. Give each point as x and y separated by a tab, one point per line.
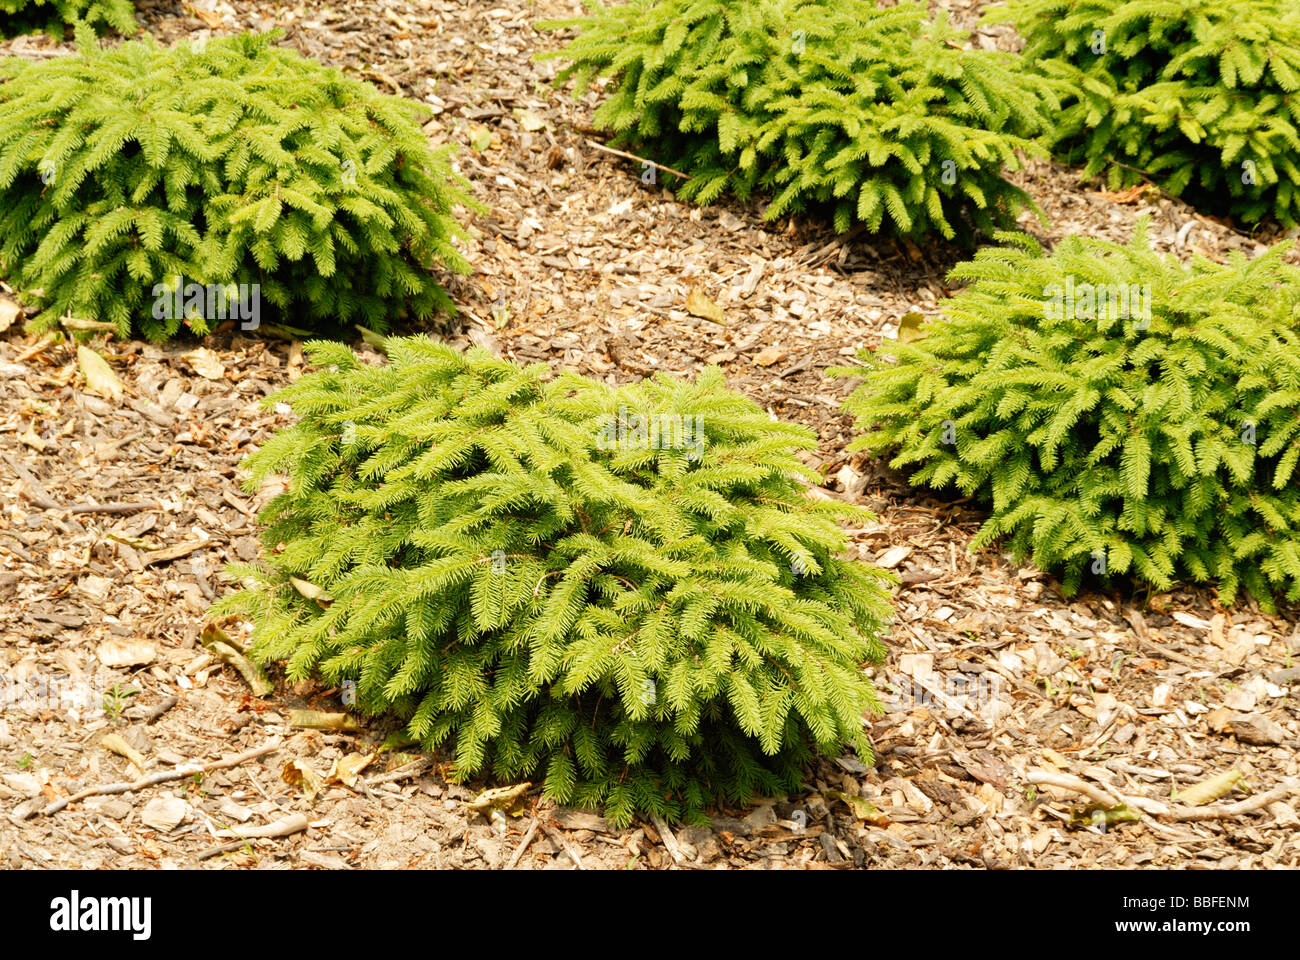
116	518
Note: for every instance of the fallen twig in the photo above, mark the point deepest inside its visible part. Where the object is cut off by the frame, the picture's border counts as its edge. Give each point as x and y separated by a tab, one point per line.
666	835
562	842
15	549
1240	808
1176	812
632	156
150	714
168	554
115	507
523	844
813	258
36	493
41	497
384	78
1158	651
76	323
1068	781
224	848
285	826
412	769
176	773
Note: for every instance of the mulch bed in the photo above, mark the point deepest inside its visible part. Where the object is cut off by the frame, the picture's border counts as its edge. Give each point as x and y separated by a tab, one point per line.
116	519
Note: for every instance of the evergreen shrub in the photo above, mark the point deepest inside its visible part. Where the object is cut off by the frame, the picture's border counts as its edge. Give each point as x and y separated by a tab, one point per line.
55	16
873	115
1201	96
140	185
621	590
1119	413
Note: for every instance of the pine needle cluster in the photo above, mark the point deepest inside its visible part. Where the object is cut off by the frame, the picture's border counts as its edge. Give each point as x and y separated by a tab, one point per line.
1119	413
875	116
237	163
622	590
55	16
1200	96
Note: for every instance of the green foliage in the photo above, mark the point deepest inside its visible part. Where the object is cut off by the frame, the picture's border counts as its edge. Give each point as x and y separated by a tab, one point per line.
54	16
241	163
623	591
1198	95
1157	439
873	115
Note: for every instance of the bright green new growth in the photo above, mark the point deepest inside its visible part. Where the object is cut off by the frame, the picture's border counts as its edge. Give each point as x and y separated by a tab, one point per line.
54	16
242	163
875	115
1198	95
1151	428
648	613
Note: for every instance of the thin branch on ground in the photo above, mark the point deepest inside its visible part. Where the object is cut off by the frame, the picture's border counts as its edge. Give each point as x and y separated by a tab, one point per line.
176	773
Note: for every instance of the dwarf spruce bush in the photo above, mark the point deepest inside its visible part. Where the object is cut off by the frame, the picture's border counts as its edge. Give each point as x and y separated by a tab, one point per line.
140	185
1118	412
622	591
54	16
874	115
1199	95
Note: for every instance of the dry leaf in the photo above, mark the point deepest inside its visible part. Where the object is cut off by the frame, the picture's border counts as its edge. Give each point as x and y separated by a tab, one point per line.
116	744
297	773
480	138
1217	719
530	121
206	363
1055	759
909	328
319	720
207	11
698	305
150	849
100	378
1132	195
164	814
769	356
346	769
1101	815
9	311
622	208
33	439
1211	789
119	652
311	591
862	808
499	798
